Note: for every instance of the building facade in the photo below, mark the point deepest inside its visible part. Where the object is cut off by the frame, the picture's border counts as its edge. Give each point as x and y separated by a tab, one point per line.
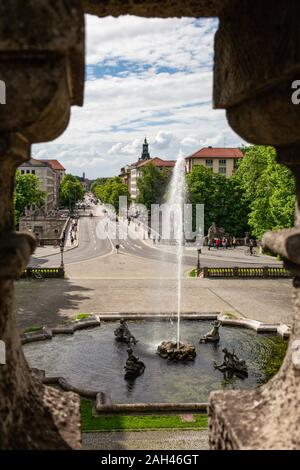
219	160
131	173
50	173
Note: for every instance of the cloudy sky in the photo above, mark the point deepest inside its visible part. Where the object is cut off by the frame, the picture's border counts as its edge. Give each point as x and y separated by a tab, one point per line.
144	77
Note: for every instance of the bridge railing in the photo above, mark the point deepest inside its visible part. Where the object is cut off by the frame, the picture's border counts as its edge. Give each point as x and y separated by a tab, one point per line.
246	272
43	273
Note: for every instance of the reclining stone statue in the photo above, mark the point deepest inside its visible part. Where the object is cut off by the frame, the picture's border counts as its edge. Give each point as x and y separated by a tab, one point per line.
123	334
232	363
134	367
213	334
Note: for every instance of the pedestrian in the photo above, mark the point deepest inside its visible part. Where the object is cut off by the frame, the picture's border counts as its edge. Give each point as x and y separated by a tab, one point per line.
251	244
154	240
209	244
217	243
72	240
234	242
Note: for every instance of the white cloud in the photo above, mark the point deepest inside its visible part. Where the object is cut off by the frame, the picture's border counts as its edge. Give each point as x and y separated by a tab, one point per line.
163	139
116	149
189	141
160	86
130	148
164	42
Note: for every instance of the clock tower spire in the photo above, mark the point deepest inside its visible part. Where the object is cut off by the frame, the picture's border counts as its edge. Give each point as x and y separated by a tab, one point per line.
145	153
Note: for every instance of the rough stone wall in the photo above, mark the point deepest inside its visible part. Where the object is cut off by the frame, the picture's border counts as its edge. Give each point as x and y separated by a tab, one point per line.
257	55
151	8
41	62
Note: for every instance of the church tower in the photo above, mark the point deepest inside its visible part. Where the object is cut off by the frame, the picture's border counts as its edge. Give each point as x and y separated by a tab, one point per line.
145	153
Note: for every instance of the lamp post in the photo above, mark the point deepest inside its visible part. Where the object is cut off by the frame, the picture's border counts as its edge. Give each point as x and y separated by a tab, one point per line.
198	262
62	246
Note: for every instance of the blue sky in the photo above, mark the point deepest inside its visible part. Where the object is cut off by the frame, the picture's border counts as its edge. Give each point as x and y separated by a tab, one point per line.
144	77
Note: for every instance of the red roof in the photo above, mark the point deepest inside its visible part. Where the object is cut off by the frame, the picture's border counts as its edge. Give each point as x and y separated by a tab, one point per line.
218	152
156	161
55	164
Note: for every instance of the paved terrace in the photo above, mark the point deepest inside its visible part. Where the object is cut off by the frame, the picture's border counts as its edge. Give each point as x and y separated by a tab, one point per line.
126	283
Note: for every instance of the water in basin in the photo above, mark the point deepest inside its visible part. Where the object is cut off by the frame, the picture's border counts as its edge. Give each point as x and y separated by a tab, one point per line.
93	359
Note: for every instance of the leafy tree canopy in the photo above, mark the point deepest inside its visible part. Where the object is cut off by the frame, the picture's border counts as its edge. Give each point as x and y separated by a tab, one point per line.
260	196
269	190
98	182
110	191
222	199
71	191
152	184
27	193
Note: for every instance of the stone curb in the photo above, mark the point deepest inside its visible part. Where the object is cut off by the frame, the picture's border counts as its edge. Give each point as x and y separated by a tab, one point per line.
281	329
62	383
103	404
159	316
47	333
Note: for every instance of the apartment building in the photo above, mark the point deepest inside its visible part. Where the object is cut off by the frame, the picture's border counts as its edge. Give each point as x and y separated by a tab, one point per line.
50	174
219	160
131	173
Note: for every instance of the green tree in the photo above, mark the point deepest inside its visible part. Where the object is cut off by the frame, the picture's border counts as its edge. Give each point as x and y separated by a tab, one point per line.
110	191
250	168
222	198
152	184
71	191
27	193
97	182
269	190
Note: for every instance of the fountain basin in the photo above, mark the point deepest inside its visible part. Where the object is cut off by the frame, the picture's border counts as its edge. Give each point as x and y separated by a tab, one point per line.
168	350
92	359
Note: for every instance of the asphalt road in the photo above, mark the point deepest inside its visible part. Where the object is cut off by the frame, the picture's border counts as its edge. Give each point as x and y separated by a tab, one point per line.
92	246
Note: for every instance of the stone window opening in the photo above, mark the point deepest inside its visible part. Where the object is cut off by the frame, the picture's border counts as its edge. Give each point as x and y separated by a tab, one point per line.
249	86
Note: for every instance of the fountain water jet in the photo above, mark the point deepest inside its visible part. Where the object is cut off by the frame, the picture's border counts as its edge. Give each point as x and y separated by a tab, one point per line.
176	200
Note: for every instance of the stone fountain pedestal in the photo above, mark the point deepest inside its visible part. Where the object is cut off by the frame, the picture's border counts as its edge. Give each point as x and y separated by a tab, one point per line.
168	350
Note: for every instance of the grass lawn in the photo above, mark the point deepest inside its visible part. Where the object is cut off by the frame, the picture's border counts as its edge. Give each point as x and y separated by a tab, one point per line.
193	273
32	329
119	422
82	316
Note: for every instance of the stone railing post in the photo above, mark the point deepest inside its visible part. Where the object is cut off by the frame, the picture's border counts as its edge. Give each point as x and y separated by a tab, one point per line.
256	93
32	416
41	64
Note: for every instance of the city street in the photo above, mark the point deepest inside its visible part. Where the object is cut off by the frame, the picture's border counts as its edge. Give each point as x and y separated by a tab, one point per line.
92	247
141	277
